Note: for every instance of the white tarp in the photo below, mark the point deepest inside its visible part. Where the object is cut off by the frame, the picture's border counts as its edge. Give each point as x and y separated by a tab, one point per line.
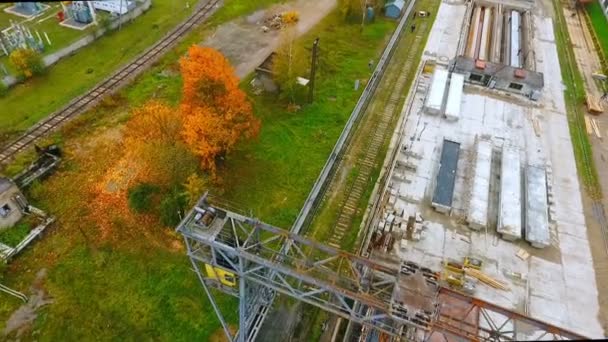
537	221
452	107
509	215
480	191
434	99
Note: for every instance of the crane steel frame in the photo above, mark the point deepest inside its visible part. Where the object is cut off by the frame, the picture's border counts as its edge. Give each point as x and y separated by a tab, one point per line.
368	292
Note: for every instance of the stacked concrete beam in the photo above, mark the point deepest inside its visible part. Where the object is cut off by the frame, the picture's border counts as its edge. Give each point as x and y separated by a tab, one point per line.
537	221
486	32
480	191
434	99
516	52
454	103
509	215
496	50
474	32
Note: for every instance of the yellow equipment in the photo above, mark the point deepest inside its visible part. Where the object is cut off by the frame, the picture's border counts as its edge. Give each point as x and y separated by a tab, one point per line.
224	277
470	262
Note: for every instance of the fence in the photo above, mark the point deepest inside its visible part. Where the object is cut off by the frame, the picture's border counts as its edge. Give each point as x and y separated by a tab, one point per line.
318	189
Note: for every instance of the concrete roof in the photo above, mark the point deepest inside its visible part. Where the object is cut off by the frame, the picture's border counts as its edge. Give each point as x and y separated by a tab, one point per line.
533	78
5	184
447	173
398	3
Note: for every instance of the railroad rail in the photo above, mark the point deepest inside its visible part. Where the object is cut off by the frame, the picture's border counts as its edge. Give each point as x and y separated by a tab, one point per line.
106	87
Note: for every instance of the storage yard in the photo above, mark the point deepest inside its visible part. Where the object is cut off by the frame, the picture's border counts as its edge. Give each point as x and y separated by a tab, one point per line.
482	188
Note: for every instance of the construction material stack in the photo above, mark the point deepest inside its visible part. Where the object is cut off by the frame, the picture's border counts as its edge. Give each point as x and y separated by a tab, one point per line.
537	222
509	215
434	99
480	191
452	108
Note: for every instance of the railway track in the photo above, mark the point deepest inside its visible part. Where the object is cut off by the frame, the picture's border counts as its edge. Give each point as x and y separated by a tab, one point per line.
380	134
106	87
597	208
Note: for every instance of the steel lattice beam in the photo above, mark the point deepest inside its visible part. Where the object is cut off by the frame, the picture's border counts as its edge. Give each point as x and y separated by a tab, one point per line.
266	260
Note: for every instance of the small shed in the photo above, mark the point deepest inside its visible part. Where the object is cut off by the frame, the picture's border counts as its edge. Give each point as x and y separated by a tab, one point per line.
264	75
12	203
394	8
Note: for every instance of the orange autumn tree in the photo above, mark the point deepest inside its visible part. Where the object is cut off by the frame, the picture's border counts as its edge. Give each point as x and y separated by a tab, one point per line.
216	112
153	141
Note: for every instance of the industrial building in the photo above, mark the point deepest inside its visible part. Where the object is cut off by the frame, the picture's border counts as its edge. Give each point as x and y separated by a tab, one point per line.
446	176
495	48
507	198
12	203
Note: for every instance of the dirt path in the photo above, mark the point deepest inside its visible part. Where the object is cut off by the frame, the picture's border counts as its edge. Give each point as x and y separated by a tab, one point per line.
588	63
246	45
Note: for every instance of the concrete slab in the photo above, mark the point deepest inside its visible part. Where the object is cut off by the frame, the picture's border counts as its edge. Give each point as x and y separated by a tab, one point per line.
560	286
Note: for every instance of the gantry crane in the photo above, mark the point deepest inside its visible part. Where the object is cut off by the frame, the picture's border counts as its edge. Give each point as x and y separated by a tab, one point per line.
253	261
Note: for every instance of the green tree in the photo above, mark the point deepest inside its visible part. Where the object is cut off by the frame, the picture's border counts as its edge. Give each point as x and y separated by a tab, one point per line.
153	138
141	197
3	88
355	10
28	62
172	208
289	62
194	187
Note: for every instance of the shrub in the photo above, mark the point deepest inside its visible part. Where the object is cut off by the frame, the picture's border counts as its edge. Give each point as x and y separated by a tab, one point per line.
13	236
28	62
172	208
3	88
141	197
290	17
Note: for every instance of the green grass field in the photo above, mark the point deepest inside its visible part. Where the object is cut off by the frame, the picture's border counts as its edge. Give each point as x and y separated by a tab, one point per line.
33	100
138	285
273	176
574	96
27	103
600	25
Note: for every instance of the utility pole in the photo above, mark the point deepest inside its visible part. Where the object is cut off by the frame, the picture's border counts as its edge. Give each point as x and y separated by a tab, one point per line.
120	16
313	69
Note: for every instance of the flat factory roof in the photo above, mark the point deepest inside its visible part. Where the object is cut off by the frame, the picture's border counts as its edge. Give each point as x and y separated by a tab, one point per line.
446	177
537	220
452	108
509	216
434	101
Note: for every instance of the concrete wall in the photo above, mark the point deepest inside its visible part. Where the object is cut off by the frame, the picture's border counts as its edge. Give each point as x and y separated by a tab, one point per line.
53	58
15	214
